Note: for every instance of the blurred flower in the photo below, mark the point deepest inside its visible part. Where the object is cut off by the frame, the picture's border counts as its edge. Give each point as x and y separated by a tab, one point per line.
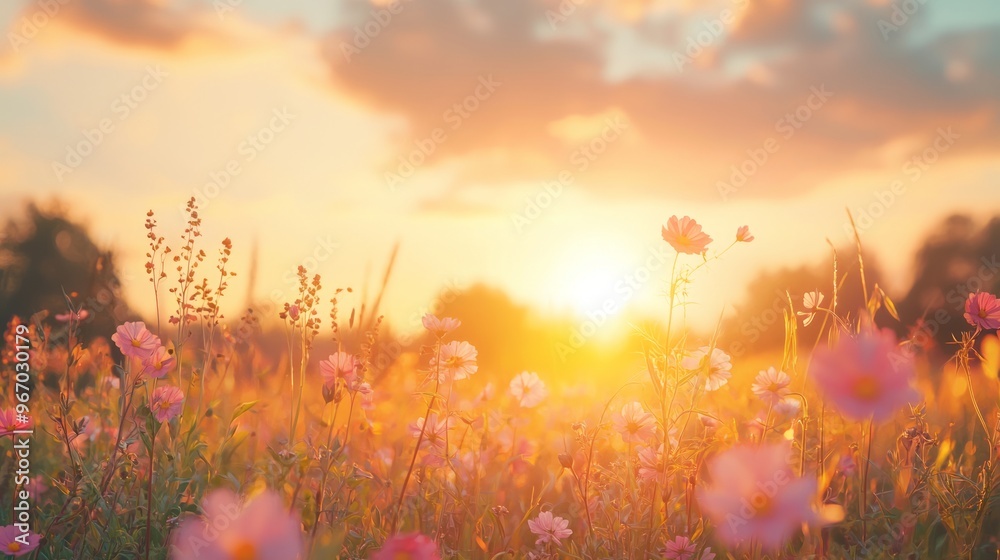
789	406
528	389
755	495
486	394
717	367
634	423
166	402
771	386
865	375
434	433
549	528
681	548
457	361
15	543
982	310
743	234
685	235
158	362
340	365
134	340
9	423
846	464
651	465
440	327
72	316
810	302
293	312
412	546
263	528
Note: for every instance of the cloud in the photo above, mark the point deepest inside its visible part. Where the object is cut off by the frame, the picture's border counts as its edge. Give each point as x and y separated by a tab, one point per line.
692	119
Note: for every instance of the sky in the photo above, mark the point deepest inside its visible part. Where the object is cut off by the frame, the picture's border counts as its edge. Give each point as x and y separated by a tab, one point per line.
534	145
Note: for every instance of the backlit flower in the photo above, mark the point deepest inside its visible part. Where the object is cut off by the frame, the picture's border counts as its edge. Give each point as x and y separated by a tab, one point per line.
810	302
651	465
9	422
685	235
158	362
15	543
457	361
73	316
634	423
135	340
166	402
549	528
409	546
755	495
261	529
435	432
771	386
865	375
743	234
982	310
528	389
440	327
713	363
340	365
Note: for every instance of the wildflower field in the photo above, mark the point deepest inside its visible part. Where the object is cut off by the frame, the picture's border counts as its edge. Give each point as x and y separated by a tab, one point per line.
187	436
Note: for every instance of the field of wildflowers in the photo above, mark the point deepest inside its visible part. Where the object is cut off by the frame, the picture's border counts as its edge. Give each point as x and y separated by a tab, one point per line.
190	437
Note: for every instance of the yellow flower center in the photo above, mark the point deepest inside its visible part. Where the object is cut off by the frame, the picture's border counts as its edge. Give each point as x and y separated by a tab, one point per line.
165	405
453	362
136	343
243	550
983	314
14	547
867	388
774	387
683	240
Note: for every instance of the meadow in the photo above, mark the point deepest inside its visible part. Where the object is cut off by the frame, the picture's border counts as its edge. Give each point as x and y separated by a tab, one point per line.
197	436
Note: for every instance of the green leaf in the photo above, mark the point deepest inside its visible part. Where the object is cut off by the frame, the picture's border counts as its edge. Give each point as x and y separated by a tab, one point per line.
241	410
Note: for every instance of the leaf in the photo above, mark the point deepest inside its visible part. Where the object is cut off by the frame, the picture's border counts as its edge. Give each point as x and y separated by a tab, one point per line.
890	306
241	410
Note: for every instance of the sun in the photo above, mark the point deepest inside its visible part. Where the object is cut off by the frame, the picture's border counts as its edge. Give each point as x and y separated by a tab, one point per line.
586	278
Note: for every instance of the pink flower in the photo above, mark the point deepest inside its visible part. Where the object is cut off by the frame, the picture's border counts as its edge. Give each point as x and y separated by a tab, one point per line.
435	432
73	316
457	361
681	548
714	363
549	528
651	465
134	340
158	362
9	423
755	495
743	234
340	365
865	375
634	423
166	402
440	327
810	302
412	546
263	528
771	386
982	310
685	236
15	543
528	389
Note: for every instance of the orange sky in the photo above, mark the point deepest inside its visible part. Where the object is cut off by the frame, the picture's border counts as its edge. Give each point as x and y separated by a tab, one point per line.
510	142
